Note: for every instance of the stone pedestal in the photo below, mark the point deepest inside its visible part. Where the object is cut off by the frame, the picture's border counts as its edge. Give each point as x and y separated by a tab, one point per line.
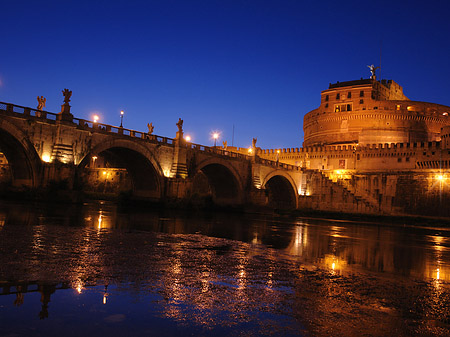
65	114
179	167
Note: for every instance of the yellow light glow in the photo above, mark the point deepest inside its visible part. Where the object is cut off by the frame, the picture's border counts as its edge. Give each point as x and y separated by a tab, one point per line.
104	298
440	177
437	274
333	265
188	138
46	158
250	150
104	172
100	221
95	118
121	112
215	135
166	173
278	151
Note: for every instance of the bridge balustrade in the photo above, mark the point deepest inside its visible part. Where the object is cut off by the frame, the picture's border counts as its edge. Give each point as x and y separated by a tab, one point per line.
106	128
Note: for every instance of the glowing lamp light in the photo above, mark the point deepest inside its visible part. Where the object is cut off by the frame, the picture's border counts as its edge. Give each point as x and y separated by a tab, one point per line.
188	138
46	158
440	177
250	150
215	136
95	118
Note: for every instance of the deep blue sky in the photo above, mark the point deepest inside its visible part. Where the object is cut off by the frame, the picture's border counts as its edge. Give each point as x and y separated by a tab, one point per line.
257	65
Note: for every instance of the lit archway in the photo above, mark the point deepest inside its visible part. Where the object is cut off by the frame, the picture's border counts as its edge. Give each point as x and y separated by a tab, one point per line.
121	167
24	164
281	192
219	182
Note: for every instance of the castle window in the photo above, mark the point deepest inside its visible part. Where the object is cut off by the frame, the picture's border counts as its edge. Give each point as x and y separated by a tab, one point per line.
361	93
407	159
361	101
349	95
326	98
326	105
398	106
338	96
399	159
342	107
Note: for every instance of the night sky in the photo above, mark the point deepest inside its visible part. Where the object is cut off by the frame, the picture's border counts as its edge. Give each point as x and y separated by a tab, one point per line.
256	65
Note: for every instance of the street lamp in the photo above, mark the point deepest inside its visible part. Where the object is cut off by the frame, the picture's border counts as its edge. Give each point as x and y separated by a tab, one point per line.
215	136
188	138
95	118
121	118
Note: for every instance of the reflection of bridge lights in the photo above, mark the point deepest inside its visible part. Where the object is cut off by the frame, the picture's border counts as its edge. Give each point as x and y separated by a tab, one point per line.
437	274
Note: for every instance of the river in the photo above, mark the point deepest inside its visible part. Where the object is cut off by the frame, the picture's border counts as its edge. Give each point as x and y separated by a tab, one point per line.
96	270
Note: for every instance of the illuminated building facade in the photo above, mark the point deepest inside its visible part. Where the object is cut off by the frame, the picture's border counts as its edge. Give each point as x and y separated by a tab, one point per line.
368	111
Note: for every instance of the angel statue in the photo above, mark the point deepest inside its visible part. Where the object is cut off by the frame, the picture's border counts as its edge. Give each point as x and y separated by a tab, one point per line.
225	144
41	102
66	93
180	125
372	70
254	142
150	128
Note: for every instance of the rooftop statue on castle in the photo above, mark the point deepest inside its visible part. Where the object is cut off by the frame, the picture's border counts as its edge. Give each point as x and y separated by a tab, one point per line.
67	94
41	102
180	125
372	71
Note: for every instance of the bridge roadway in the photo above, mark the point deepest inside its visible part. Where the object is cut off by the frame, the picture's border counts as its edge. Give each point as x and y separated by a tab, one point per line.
42	147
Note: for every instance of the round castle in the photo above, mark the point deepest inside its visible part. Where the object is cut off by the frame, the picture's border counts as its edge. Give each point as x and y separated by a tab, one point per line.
368	111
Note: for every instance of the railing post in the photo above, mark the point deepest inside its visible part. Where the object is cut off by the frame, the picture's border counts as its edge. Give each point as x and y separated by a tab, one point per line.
26	111
9	108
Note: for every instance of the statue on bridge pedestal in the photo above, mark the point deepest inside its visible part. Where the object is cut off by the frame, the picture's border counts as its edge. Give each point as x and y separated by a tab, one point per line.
150	128
67	94
180	125
41	102
225	144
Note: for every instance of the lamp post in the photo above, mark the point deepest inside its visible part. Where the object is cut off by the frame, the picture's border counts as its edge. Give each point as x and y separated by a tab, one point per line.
215	136
95	118
121	118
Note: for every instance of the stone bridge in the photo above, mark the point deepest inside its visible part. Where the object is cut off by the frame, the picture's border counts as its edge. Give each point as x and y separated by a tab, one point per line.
44	148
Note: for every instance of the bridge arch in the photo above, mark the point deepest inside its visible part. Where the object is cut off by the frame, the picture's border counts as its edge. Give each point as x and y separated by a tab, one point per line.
281	189
24	162
144	171
223	180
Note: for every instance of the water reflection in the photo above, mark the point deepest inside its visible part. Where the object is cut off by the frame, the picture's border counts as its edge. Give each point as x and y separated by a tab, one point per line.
222	270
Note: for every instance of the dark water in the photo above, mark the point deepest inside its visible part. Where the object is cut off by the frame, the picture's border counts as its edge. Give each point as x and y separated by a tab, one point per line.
91	270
